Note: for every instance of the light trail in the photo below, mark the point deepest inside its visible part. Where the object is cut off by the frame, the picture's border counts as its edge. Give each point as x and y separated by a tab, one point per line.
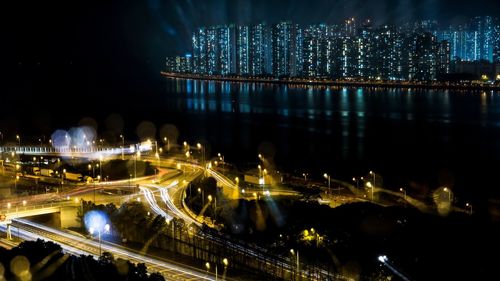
70	241
150	198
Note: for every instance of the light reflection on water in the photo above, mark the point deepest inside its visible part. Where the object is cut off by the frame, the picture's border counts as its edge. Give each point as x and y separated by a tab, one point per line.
347	127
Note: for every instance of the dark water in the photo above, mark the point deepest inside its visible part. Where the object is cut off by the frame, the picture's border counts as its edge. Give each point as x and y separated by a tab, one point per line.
412	138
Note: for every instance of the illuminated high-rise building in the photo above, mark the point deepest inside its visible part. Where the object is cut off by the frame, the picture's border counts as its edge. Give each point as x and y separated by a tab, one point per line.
425	57
496	43
314	50
183	64
243	54
227	49
170	64
285	49
260	50
200	55
484	32
443	57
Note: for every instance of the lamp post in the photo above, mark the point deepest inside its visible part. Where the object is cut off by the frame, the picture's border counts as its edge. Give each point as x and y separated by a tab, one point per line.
449	194
305	176
468	205
327	176
138	154
123	146
202	196
92	230
202	149
225	261
221	158
63	175
165	139
356	180
404	192
215	205
374	181
15	182
18	138
93	177
369	184
159	164
298	265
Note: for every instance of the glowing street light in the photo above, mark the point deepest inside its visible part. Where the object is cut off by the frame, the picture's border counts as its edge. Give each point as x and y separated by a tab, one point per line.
356	180
327	176
468	205
123	146
404	192
215	204
383	258
202	149
374	178
298	265
369	184
449	194
106	230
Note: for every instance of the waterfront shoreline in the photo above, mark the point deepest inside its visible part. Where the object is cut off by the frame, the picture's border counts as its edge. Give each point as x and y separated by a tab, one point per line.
303	81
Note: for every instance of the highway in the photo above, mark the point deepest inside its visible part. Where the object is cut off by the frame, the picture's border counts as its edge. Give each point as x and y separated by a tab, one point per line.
164	193
78	245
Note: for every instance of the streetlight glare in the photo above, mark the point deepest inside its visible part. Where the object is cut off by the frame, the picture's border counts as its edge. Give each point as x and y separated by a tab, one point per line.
95	220
382	259
225	261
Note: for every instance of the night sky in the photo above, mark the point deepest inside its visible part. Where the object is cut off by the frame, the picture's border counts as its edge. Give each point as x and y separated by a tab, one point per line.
130	37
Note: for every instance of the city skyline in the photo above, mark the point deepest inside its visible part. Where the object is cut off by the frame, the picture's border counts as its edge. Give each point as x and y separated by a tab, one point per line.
418	50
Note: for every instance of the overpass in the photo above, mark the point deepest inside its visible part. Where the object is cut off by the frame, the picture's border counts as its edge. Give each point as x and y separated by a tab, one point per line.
68	210
89	151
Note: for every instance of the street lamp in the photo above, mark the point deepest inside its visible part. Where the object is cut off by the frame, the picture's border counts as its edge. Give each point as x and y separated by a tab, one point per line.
165	139
470	207
18	138
202	149
298	265
369	184
123	146
305	177
221	158
404	192
215	204
225	261
106	230
15	182
327	176
449	194
136	155
374	181
357	181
